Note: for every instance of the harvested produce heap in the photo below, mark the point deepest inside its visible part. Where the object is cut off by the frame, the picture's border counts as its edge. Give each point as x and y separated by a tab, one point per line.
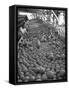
41	53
